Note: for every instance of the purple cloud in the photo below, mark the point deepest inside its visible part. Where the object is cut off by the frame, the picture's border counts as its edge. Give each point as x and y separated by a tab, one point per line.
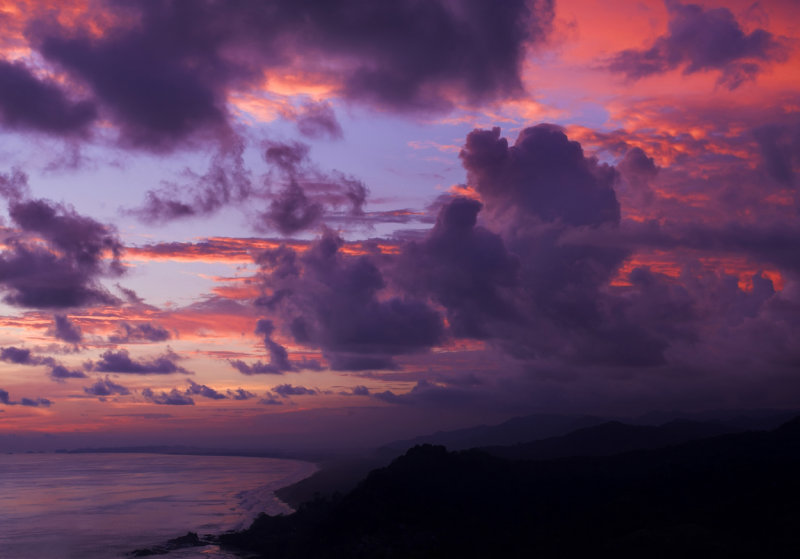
60	372
143	332
287	390
5	399
30	103
121	362
65	273
196	389
66	330
23	356
701	40
171	398
332	301
164	80
106	387
240	394
317	120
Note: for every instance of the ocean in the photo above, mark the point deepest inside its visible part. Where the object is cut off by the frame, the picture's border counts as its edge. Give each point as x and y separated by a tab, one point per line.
103	506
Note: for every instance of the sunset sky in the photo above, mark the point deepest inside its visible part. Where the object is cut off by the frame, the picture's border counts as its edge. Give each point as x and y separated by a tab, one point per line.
302	223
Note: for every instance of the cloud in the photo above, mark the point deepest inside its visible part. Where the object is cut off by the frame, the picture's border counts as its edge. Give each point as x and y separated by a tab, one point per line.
335	302
20	356
142	332
171	398
465	268
257	368
279	358
287	390
106	387
40	105
204	391
270	400
240	394
60	372
162	74
23	356
121	362
297	195
544	175
779	146
63	272
5	398
317	120
701	40
306	195
35	403
65	330
356	391
227	181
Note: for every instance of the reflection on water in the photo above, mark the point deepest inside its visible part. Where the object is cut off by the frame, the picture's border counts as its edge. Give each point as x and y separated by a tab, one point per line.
98	506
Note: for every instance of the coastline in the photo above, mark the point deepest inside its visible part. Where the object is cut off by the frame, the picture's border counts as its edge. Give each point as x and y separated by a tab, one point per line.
110	505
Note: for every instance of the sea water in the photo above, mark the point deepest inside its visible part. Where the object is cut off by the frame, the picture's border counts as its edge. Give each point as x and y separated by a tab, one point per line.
103	506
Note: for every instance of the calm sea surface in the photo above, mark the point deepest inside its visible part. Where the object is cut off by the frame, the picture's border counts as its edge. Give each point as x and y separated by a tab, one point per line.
102	506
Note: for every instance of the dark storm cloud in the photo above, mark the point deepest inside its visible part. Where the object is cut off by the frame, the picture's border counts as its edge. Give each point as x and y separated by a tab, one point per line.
144	332
106	387
66	330
544	175
163	74
527	270
196	389
121	362
161	80
335	302
701	40
465	268
65	272
171	398
30	103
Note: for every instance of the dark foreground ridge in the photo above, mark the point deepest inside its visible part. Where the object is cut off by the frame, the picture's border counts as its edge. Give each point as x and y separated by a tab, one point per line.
733	495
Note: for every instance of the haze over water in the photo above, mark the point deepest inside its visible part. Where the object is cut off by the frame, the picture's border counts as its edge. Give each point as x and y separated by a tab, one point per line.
99	506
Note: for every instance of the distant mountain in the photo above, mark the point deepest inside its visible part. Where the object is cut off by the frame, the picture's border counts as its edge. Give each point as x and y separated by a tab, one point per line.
740	420
732	495
513	431
342	475
611	438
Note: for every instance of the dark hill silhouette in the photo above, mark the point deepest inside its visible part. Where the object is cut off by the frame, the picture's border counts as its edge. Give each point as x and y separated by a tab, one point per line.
525	437
610	438
513	431
733	495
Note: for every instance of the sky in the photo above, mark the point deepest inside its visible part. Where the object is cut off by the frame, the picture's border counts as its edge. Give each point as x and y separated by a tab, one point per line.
306	224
